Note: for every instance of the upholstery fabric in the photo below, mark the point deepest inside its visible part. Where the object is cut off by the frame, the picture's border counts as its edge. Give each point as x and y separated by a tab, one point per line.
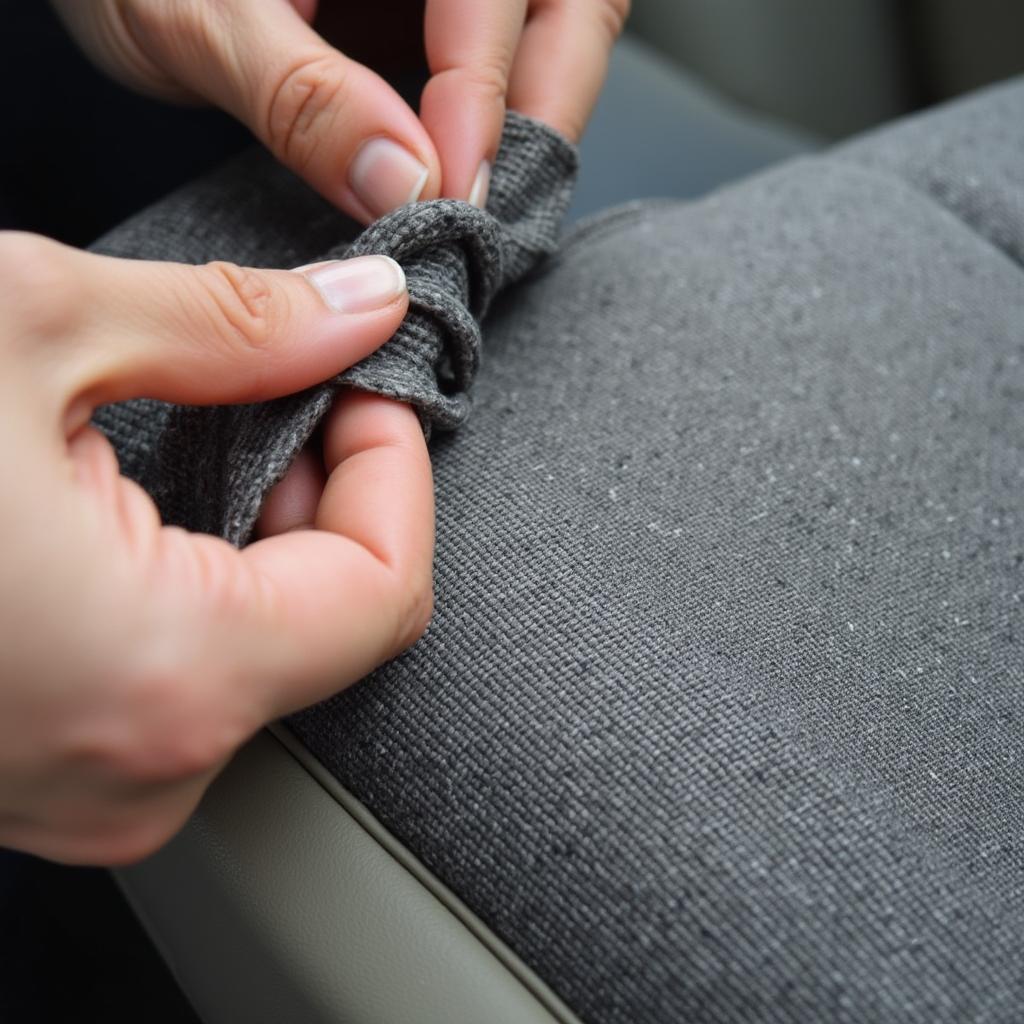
720	715
688	141
209	469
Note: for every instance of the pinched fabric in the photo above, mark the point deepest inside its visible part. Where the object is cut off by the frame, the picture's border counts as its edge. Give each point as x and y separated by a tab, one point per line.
209	469
720	716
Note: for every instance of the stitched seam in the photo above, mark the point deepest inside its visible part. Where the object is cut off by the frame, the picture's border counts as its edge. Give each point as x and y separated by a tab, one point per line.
358	812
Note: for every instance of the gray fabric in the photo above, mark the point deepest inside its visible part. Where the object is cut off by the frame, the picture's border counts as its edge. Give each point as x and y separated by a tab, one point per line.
209	469
720	714
659	132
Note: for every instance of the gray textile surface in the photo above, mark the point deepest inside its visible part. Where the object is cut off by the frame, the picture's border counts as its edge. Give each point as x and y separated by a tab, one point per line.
721	715
209	469
659	132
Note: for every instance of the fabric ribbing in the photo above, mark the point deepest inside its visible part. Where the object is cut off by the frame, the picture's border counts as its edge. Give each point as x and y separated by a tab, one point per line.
209	469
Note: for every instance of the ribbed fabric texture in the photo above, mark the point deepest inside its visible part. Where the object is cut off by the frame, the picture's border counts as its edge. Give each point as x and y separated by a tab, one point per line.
721	714
209	469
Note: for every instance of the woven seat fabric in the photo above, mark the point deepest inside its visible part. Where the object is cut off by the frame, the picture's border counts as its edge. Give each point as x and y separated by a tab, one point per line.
720	714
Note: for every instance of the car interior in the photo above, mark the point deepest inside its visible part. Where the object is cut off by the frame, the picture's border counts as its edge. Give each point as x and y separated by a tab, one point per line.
313	884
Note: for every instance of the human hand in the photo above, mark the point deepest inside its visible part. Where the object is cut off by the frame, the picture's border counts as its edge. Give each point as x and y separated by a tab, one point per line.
337	123
135	658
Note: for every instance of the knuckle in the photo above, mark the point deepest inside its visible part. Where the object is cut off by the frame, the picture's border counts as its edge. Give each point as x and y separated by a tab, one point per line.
184	745
120	849
142	40
416	605
39	291
488	78
173	718
302	105
209	566
613	15
177	731
176	19
131	843
248	308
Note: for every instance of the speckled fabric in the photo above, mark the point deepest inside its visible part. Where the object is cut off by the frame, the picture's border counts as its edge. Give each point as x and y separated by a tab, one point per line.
209	469
721	714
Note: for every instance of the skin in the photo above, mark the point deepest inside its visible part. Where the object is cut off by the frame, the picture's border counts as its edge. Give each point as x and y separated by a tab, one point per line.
314	106
135	657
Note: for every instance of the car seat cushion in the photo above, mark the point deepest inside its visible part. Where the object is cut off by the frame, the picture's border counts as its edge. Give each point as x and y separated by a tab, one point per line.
719	715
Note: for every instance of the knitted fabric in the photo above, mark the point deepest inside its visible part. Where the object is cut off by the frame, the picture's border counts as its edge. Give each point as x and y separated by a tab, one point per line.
721	714
209	469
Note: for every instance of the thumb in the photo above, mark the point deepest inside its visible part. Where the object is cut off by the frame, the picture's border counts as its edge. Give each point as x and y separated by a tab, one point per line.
330	119
113	329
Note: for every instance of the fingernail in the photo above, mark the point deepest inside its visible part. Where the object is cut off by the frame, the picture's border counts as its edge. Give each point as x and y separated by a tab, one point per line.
385	175
359	285
481	185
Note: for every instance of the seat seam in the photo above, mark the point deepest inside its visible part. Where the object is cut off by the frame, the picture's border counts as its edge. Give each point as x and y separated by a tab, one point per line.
527	978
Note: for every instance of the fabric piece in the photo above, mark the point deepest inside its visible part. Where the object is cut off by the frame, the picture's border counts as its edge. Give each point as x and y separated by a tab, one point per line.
688	141
720	714
209	469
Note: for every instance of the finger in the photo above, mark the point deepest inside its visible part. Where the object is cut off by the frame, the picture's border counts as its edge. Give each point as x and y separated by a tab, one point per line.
470	48
216	333
563	59
332	120
226	640
356	590
292	503
379	489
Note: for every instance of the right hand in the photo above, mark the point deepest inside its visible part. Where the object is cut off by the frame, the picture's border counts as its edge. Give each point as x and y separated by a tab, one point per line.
134	657
335	122
332	120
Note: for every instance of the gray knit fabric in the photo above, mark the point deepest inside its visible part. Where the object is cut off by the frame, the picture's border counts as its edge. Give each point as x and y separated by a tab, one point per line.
721	714
209	469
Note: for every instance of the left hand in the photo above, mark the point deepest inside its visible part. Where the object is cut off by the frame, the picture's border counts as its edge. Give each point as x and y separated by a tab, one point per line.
135	657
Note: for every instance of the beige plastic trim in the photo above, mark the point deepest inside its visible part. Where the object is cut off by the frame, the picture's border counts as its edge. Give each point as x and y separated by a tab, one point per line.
285	901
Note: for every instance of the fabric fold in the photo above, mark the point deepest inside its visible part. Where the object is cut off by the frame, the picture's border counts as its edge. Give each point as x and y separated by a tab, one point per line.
209	468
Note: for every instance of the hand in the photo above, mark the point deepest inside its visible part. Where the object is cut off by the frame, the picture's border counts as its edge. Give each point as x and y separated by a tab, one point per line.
333	120
135	658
